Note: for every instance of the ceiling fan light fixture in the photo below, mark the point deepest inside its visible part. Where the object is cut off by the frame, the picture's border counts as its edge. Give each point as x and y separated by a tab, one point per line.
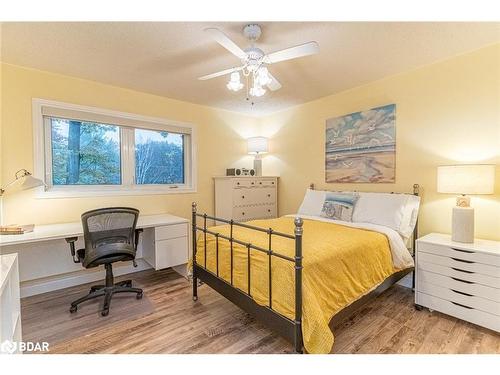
235	84
257	90
263	77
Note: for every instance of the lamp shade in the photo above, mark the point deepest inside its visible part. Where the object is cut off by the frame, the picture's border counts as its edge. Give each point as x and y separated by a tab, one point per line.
466	179
257	145
31	182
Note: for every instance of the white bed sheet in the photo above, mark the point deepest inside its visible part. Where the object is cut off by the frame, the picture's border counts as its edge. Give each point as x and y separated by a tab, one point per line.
401	257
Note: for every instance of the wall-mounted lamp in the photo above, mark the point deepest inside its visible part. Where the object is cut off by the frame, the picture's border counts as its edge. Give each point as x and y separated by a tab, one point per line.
257	146
28	181
465	179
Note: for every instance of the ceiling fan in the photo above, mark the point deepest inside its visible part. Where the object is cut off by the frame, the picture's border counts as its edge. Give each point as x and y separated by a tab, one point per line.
254	61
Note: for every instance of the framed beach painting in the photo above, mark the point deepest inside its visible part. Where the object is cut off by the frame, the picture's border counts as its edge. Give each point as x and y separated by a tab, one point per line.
361	146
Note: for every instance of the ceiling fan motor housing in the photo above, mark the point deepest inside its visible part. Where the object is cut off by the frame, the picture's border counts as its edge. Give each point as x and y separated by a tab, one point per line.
252	32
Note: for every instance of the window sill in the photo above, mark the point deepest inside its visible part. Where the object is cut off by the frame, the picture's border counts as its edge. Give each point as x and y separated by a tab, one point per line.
55	193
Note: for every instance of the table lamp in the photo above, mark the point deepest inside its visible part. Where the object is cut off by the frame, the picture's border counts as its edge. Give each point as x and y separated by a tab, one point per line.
28	181
257	146
465	179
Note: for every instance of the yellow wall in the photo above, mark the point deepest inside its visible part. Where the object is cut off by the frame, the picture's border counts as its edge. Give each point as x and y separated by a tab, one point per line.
446	113
220	143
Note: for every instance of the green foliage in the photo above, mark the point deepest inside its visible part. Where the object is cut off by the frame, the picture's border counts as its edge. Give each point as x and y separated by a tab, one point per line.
99	154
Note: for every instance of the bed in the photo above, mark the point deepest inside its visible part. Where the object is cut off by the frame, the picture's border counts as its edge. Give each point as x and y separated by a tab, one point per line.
298	274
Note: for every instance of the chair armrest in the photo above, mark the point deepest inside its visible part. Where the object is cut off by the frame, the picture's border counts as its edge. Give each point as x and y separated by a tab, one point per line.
136	237
71	241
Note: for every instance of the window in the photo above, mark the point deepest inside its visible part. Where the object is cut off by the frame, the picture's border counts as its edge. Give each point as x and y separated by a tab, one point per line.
159	157
86	151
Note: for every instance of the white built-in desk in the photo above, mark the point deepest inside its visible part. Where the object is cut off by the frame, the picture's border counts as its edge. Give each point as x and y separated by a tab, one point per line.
45	262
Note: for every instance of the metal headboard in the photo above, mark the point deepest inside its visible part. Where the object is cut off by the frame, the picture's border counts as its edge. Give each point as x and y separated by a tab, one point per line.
416	192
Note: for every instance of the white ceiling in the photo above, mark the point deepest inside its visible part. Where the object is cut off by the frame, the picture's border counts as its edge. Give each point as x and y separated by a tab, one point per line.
165	58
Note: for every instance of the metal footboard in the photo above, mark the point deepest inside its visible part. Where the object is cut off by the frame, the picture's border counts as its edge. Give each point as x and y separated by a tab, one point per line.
290	329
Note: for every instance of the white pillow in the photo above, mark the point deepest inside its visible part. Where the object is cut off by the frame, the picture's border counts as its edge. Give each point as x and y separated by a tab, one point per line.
396	211
312	205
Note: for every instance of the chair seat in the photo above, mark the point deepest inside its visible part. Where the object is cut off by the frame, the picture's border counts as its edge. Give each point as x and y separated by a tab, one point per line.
107	253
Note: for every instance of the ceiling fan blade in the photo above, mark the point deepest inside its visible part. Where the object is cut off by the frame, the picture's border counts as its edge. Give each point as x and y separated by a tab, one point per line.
274	84
221	73
225	42
305	49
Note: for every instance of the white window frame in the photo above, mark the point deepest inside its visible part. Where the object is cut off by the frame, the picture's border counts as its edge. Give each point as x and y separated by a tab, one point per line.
42	152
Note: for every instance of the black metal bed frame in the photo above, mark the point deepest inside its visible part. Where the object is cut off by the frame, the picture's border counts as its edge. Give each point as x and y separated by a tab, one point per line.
288	328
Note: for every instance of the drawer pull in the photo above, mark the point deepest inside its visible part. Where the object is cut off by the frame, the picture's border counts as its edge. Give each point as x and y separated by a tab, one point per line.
459	304
243	213
462	293
260	182
269	195
242	197
463	251
463	261
457	269
463	281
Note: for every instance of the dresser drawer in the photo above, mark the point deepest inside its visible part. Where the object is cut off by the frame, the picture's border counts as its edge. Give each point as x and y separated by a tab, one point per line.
452	252
464	265
254	212
468	287
475	316
459	296
244	183
246	197
171	231
458	273
266	183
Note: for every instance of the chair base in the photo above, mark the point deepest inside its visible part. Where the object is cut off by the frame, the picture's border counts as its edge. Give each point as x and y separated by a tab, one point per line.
107	291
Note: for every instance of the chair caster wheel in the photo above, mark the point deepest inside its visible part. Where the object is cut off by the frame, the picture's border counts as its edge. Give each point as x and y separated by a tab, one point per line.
138	296
105	312
419	308
73	309
195	298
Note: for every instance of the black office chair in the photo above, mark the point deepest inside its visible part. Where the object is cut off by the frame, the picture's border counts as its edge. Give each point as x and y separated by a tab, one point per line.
110	236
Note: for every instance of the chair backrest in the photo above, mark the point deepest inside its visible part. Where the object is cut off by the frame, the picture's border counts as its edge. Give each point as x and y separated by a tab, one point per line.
109	232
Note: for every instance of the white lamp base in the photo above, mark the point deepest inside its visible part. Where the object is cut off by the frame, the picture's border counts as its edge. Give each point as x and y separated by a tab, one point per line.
462	224
257	165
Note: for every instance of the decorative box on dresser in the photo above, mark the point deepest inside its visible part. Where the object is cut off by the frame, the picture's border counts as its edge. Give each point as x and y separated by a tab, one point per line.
246	198
459	279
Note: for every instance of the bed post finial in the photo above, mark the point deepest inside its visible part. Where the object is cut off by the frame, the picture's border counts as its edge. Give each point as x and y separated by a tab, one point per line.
193	206
311	186
298	225
416	189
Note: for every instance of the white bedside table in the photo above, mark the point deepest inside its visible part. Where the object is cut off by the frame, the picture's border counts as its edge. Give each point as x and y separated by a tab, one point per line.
458	279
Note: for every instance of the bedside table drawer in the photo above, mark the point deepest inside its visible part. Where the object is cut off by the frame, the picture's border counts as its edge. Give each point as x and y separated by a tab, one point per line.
463	265
460	297
458	273
468	287
475	316
461	254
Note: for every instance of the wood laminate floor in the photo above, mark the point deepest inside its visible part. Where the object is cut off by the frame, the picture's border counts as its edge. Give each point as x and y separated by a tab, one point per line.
166	320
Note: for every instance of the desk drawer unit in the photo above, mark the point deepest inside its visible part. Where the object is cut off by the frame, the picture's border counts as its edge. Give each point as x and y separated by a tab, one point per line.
168	245
462	280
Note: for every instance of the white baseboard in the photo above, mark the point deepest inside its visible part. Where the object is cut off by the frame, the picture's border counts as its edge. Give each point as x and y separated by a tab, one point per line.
48	284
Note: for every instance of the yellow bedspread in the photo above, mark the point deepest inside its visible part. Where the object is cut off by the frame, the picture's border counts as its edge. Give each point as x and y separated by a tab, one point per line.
340	264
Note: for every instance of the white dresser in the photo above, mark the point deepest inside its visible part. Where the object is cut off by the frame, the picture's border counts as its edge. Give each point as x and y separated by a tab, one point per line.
246	198
10	309
462	280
